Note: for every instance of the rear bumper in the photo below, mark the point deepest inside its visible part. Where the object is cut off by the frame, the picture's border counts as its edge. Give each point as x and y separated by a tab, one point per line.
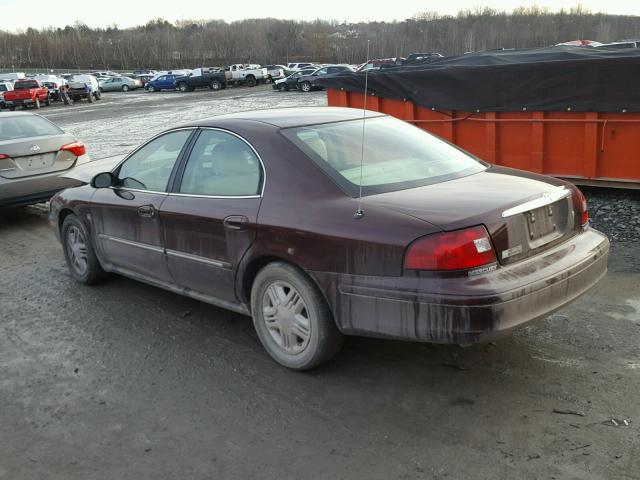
35	189
467	310
19	102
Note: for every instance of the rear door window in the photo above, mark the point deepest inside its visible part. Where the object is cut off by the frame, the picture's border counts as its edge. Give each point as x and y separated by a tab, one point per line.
221	164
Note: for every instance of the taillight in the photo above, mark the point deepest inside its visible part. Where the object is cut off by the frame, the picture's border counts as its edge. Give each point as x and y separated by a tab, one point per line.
458	250
3	156
584	217
77	148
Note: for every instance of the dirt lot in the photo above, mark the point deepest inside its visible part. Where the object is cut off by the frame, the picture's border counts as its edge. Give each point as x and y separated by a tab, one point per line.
125	381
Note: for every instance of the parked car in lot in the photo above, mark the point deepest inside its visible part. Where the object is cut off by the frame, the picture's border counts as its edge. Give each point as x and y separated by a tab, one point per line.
53	84
273	214
161	82
33	154
296	67
119	84
27	93
291	82
144	79
250	75
84	86
144	72
4	87
306	83
212	78
276	72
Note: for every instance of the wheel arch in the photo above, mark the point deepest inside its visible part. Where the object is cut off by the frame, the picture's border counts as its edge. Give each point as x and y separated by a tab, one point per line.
255	265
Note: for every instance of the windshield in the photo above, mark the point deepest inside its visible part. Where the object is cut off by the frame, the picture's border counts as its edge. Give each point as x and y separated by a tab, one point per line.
397	155
17	127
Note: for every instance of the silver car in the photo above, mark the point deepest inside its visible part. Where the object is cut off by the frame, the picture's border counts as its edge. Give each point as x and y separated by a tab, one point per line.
34	153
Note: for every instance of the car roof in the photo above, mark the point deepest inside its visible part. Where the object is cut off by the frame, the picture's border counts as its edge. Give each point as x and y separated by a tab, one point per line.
290	117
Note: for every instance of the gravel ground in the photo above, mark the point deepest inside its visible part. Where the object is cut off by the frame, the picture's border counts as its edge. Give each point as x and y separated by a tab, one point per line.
125	381
615	212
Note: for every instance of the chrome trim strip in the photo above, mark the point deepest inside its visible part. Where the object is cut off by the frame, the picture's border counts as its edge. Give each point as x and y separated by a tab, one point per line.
132	243
547	198
212	196
197	258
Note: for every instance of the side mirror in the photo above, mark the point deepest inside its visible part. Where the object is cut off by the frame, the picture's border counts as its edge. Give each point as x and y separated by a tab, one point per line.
103	180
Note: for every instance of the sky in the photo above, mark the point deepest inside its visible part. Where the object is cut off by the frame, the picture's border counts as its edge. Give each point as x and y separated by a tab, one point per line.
127	13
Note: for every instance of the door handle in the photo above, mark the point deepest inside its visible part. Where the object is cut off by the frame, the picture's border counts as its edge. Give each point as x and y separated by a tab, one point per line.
236	222
147	211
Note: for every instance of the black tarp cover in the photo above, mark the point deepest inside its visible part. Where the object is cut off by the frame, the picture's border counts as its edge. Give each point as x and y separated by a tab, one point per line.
545	79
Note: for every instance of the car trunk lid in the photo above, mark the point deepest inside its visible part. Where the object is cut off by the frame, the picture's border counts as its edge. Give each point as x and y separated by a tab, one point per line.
524	213
35	156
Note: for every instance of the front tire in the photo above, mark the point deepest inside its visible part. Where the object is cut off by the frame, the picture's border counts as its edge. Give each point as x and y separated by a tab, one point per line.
292	318
305	87
183	87
36	104
78	252
215	85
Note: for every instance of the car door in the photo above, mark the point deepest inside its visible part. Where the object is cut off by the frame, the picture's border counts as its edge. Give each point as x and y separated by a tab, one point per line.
126	223
209	219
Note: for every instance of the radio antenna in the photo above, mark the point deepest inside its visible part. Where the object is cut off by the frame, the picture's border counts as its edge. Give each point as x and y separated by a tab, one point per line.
359	212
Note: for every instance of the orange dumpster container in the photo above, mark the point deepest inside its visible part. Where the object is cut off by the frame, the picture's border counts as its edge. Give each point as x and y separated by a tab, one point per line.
587	148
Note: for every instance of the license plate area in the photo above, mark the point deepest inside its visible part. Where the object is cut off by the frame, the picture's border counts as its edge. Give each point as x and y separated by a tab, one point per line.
35	162
545	224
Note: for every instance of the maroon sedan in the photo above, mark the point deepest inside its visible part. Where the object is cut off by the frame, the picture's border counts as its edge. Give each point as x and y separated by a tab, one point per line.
272	214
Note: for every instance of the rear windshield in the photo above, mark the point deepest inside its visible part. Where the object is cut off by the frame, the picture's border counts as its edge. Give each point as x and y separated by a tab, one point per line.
397	155
17	127
25	85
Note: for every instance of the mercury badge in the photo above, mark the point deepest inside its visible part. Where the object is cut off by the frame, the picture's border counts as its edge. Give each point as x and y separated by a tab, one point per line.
35	148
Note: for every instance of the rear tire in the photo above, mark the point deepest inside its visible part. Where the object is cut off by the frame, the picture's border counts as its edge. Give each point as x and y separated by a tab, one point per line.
36	104
215	85
79	253
125	88
251	81
90	97
183	87
47	102
292	318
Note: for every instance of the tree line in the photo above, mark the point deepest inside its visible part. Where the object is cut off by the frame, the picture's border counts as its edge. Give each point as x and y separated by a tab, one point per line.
190	43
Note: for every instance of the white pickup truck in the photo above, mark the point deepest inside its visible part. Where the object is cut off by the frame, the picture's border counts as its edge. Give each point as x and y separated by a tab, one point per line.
249	75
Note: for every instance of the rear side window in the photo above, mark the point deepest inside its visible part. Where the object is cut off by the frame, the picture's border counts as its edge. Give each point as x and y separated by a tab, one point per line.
17	127
150	167
221	164
25	85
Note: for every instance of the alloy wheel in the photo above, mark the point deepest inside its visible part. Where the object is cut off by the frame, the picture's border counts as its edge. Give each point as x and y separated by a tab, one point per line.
77	250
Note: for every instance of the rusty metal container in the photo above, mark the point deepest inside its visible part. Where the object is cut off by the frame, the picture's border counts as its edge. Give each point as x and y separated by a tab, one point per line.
587	148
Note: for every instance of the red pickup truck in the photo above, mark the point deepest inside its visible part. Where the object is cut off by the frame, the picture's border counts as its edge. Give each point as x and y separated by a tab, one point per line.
27	93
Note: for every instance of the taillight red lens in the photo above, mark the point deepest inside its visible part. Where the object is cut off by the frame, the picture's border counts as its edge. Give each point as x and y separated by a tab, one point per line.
77	148
3	156
458	250
584	218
